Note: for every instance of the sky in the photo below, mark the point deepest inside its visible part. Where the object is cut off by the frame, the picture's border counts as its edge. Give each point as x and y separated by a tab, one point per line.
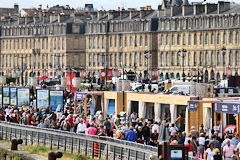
98	4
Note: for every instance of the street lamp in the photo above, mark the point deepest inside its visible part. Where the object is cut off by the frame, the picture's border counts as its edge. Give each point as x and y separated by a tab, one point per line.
183	55
147	55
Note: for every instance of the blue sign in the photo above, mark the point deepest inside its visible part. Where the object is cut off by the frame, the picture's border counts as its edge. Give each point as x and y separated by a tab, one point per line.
5	95
92	109
56	98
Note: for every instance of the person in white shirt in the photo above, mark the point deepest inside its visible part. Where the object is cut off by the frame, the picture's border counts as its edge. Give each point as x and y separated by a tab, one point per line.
172	129
133	118
81	127
209	153
155	127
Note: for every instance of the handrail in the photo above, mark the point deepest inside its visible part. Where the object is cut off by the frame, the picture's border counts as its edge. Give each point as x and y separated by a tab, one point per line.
98	139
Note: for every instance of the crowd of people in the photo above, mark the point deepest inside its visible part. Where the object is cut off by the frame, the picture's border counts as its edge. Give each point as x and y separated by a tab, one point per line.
199	144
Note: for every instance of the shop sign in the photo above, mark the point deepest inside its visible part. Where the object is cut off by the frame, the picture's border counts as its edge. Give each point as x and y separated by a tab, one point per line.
230	108
192	106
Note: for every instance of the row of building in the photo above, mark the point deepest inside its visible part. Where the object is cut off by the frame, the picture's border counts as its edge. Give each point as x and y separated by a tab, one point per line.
176	40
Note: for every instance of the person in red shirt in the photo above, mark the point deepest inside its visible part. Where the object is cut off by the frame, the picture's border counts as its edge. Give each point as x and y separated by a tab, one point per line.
190	147
70	120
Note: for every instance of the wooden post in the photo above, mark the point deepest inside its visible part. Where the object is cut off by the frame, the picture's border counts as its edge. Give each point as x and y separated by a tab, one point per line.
75	106
189	117
237	123
222	122
85	104
198	110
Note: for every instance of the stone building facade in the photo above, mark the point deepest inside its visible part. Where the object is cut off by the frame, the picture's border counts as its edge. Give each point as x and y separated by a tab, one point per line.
42	46
207	33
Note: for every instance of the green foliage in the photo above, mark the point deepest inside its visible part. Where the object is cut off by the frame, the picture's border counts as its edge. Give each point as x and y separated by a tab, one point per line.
17	158
35	150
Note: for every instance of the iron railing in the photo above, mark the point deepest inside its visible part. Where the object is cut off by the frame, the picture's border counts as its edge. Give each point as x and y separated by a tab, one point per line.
93	146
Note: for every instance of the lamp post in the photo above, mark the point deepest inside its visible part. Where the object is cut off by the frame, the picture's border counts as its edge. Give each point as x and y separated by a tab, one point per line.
147	55
223	50
183	55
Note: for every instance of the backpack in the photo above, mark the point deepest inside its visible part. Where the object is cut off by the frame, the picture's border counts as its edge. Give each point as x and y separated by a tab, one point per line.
68	126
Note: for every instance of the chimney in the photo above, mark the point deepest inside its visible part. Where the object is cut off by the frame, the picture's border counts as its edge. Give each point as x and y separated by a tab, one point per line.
39	7
198	8
223	6
21	20
210	8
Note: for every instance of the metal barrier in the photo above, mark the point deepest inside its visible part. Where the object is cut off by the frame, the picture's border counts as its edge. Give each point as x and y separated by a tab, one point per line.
93	146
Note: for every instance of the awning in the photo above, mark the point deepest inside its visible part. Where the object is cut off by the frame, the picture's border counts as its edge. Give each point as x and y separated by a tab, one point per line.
227	107
42	78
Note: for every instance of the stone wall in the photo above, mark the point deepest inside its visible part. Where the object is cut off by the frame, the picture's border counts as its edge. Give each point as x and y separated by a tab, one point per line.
7	154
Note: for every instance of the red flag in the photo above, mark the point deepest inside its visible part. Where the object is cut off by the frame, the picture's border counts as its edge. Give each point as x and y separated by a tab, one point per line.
156	73
84	74
103	74
69	81
229	72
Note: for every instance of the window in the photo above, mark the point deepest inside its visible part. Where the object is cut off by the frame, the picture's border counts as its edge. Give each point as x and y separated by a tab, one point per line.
224	38
63	43
141	41
130	59
237	38
162	59
218	38
195	39
189	59
206	58
98	42
178	60
162	40
173	39
90	44
90	59
212	58
189	39
146	61
167	40
178	39
184	39
125	41
120	41
135	59
230	58
110	41
201	39
103	42
230	37
121	59
206	39
146	40
135	42
98	59
200	59
218	59
167	59
115	41
130	41
125	59
212	38
173	59
43	41
236	58
93	42
224	59
195	59
140	59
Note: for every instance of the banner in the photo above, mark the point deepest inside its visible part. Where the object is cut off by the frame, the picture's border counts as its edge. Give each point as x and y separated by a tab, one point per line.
156	73
5	95
84	74
23	97
227	107
103	74
192	106
42	98
56	98
13	96
79	96
70	77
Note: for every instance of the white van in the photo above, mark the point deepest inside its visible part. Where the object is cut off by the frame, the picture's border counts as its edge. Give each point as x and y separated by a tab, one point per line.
140	89
180	88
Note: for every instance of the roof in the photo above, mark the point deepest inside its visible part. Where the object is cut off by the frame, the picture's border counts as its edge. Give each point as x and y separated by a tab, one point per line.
30	11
